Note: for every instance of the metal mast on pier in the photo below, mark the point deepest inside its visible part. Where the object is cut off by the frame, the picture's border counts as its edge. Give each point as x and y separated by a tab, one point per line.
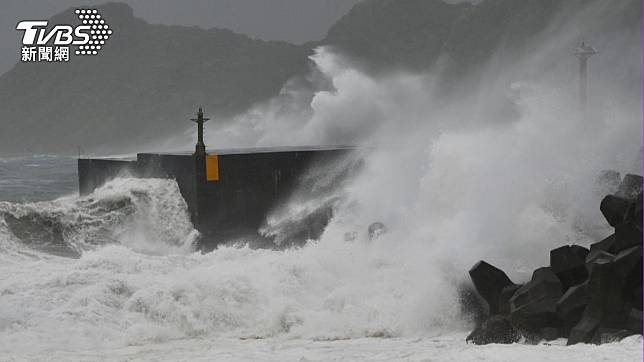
583	52
200	149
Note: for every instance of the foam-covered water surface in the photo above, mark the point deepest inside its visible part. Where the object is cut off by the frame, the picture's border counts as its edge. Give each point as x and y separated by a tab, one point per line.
149	296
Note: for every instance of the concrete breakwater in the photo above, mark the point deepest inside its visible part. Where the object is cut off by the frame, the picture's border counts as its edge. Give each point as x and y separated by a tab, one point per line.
588	295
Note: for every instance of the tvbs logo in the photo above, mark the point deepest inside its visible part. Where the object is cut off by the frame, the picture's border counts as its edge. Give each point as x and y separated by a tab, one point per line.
43	44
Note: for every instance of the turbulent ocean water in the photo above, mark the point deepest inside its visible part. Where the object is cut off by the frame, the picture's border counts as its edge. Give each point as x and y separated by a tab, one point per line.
504	170
114	276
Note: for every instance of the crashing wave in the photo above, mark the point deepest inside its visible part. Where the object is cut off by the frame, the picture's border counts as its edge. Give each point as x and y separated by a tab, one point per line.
148	215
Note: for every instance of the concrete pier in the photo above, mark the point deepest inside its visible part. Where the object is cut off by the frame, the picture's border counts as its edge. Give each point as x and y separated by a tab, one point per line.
228	192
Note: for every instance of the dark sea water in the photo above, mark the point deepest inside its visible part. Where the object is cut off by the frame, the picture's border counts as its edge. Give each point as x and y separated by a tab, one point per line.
37	178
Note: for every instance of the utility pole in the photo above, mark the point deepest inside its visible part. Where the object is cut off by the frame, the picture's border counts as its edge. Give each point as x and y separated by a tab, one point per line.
583	52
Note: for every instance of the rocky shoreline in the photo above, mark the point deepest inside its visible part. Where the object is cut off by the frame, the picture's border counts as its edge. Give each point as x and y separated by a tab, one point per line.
585	295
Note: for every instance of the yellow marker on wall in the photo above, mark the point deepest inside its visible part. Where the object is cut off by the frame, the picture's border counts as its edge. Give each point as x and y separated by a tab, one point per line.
212	168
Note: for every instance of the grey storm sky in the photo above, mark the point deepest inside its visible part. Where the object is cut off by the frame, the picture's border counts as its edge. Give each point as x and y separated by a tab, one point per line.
296	21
